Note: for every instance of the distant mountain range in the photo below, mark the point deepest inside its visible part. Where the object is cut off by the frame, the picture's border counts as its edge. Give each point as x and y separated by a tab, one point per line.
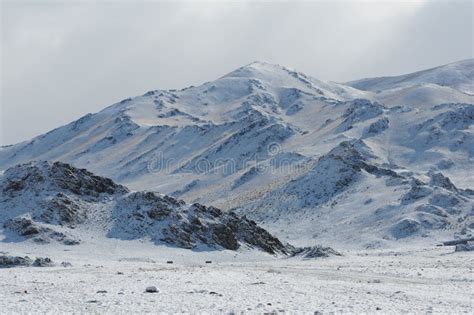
365	163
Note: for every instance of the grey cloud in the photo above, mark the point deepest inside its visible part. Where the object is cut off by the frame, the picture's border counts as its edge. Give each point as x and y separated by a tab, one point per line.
61	61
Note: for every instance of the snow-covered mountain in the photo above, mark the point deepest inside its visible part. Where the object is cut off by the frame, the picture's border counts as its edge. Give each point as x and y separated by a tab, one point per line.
302	156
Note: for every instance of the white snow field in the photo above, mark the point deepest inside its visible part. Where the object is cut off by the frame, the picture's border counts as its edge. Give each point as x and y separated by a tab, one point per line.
421	280
255	173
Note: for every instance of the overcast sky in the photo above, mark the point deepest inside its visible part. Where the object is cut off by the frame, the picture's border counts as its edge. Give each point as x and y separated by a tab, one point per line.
61	61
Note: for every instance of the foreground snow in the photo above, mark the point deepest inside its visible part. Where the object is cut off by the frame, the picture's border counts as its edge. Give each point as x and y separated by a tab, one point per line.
417	280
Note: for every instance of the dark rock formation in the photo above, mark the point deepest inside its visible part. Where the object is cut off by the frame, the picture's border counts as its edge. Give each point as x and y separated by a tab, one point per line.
315	252
39	233
14	261
171	221
57	198
17	261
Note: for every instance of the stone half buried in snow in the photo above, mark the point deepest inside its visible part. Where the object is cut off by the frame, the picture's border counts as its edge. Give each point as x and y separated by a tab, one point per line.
43	262
18	261
151	289
465	247
14	261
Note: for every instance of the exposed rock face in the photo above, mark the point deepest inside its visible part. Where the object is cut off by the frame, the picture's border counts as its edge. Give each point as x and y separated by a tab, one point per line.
439	180
36	176
250	233
49	201
54	193
171	221
42	198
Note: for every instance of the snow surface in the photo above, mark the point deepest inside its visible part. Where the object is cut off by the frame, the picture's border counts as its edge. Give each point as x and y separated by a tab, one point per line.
410	280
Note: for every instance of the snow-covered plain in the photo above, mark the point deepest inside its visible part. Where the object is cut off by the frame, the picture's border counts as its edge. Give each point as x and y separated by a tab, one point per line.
409	280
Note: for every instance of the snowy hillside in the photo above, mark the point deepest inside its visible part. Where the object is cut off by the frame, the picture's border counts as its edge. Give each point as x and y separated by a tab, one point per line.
304	157
348	195
457	75
57	202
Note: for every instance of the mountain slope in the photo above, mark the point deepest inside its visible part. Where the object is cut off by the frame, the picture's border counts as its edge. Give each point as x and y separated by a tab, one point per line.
252	138
457	75
348	195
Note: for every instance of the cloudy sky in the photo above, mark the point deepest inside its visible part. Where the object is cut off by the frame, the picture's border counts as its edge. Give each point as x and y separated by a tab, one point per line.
61	61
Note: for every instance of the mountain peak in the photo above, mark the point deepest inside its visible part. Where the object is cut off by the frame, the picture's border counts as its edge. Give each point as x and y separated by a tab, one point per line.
255	69
260	63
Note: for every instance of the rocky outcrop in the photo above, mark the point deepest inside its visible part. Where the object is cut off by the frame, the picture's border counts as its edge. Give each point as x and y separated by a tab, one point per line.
57	176
39	233
14	261
43	198
317	251
376	127
359	110
173	222
18	261
49	201
468	247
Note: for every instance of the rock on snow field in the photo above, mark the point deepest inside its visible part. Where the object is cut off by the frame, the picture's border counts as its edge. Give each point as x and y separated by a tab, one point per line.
264	191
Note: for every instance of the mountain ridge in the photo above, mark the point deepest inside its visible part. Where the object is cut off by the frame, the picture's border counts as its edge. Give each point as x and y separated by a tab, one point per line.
458	74
232	141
